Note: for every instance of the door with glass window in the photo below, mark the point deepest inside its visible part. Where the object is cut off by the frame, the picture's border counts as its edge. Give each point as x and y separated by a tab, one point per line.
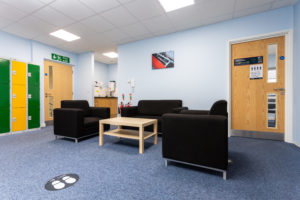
58	84
258	85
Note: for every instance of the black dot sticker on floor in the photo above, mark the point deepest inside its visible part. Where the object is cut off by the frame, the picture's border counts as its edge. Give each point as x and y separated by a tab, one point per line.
61	182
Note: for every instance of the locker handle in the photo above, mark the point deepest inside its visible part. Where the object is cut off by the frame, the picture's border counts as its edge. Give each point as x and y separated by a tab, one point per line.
14	119
14	96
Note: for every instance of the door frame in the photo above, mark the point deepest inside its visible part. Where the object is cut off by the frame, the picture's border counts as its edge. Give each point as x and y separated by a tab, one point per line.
42	86
288	133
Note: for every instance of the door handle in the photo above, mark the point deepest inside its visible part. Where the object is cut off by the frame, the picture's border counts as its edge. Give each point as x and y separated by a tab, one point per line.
279	89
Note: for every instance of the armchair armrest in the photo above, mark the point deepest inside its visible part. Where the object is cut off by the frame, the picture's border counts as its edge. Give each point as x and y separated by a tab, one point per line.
68	122
100	112
129	111
197	139
179	109
195	112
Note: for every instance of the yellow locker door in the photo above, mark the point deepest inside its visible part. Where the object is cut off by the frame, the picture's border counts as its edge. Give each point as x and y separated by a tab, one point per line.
18	73
19	96
18	119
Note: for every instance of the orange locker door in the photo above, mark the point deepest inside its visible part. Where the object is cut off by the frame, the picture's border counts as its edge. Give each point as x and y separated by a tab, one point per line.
18	119
19	114
19	96
18	73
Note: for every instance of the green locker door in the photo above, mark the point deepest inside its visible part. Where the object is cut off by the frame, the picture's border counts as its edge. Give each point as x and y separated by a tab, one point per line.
5	96
33	96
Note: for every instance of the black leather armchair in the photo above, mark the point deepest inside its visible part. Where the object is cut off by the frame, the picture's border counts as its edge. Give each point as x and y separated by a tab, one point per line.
197	138
76	119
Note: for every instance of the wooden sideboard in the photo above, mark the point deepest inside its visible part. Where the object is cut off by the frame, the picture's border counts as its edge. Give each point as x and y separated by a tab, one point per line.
111	102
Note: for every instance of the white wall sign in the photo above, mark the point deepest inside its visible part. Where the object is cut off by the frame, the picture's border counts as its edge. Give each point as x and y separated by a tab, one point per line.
256	71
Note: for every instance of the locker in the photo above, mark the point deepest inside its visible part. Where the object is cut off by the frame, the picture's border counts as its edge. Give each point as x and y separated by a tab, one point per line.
4	96
18	73
19	119
4	71
18	96
4	120
33	75
33	117
33	96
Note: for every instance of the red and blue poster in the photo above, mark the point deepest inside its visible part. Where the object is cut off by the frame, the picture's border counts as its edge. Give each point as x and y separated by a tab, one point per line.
163	60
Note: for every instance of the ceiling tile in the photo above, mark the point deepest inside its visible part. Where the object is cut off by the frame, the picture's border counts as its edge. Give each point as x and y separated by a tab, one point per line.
116	35
49	39
159	23
97	23
21	30
135	30
72	8
30	27
246	4
282	3
54	17
5	22
144	9
124	1
27	6
37	25
101	5
11	12
119	17
142	37
252	10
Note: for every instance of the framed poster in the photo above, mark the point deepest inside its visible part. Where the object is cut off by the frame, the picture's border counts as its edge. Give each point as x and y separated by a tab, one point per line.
163	60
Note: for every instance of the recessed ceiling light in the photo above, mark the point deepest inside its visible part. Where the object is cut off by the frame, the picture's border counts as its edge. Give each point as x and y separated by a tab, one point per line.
170	5
65	35
111	54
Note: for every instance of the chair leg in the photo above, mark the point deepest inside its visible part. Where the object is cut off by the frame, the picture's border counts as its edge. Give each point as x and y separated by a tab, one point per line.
225	175
76	140
166	162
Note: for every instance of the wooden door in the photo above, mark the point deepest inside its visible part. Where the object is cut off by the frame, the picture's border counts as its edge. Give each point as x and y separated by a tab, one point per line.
58	84
258	104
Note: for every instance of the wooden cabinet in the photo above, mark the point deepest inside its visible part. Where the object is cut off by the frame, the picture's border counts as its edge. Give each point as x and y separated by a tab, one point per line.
110	102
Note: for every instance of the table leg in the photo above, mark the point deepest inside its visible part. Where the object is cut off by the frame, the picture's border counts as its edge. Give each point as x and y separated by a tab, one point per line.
141	139
101	138
155	131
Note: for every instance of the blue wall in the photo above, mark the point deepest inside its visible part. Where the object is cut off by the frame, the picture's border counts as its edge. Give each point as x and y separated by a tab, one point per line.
101	72
112	72
296	73
84	73
201	59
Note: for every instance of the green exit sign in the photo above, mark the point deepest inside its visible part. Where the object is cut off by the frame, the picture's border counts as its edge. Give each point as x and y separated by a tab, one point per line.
60	58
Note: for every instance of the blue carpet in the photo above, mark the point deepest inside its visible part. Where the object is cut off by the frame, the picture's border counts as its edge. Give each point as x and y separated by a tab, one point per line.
261	169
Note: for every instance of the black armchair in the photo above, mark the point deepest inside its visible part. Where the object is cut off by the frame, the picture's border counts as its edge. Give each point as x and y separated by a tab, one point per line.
76	119
197	138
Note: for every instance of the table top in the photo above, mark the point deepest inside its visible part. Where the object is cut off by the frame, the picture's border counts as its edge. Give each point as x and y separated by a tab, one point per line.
128	121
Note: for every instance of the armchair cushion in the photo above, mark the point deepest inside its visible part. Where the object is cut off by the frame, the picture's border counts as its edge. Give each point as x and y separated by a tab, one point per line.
157	107
219	108
129	111
81	104
99	112
196	112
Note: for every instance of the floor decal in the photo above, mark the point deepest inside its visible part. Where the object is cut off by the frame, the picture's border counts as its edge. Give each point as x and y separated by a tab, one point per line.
61	182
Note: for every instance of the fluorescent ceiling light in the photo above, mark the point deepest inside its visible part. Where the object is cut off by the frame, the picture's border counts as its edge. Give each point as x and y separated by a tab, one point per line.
170	5
65	35
111	54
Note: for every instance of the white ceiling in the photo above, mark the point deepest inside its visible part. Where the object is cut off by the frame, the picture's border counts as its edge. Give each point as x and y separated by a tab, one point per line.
104	24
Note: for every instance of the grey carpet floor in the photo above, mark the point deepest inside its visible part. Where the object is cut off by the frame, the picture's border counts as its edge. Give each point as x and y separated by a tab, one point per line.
261	169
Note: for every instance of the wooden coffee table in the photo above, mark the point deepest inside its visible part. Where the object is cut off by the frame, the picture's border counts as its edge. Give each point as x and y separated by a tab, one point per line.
140	134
